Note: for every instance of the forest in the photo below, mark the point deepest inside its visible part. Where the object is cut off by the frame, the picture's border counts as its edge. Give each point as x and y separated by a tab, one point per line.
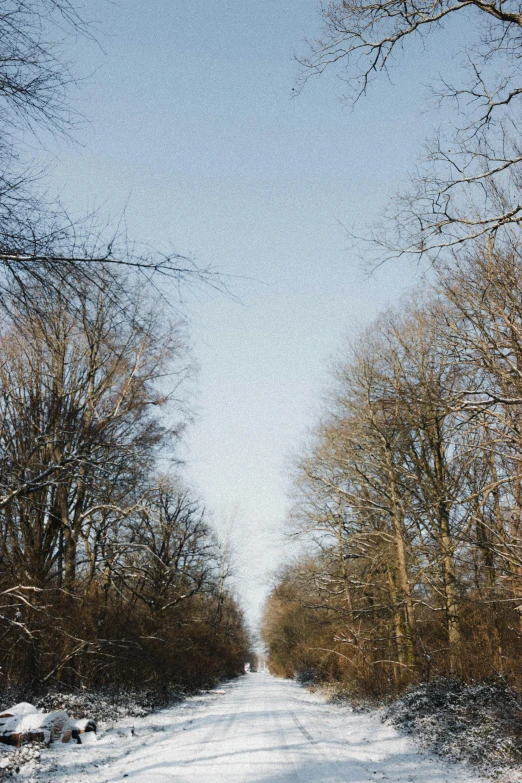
110	570
408	495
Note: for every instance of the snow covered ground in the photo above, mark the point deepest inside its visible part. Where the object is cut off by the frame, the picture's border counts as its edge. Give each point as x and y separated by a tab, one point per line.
262	730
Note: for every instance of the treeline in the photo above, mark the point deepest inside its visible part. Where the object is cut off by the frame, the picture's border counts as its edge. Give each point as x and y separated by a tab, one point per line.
109	569
409	495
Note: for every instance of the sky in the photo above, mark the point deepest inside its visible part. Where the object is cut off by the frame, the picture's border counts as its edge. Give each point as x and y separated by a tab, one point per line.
191	127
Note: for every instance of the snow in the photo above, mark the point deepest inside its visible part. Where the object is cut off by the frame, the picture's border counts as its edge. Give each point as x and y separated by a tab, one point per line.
480	723
23	708
109	704
261	730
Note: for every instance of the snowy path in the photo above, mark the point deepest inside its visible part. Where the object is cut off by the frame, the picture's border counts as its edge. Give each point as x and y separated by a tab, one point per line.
263	730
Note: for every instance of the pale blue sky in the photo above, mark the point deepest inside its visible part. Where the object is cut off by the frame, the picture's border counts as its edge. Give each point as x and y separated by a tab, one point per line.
190	121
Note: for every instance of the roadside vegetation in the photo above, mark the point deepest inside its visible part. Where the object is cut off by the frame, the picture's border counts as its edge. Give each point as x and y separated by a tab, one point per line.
111	575
110	571
409	496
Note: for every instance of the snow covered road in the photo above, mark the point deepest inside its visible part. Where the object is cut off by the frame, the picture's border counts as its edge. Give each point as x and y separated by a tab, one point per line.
263	730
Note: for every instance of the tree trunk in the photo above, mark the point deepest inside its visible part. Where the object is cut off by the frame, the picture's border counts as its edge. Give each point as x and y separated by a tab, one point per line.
402	566
450	592
400	638
70	544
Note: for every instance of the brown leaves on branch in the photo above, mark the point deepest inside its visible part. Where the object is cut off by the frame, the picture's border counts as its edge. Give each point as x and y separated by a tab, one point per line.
409	495
109	570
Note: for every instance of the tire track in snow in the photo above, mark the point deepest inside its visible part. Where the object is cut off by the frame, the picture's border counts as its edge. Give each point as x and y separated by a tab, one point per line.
334	770
302	729
277	719
218	732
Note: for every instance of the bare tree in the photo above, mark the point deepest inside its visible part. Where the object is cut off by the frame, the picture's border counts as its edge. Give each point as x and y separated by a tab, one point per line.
106	571
77	395
484	326
468	186
165	553
396	497
38	240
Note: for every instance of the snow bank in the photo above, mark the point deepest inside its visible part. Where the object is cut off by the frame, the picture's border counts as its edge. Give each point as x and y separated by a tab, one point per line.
59	716
12	761
109	706
28	729
478	723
